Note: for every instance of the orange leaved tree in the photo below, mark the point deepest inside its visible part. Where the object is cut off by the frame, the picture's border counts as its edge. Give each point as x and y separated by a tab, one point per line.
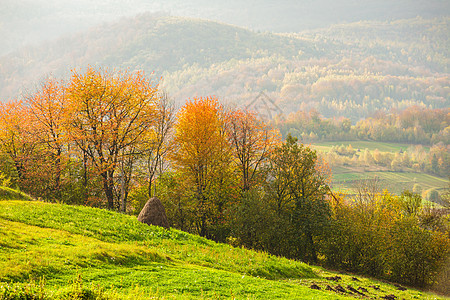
107	114
46	113
252	141
201	152
15	138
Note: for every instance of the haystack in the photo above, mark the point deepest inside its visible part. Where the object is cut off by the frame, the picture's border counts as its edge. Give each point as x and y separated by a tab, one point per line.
154	213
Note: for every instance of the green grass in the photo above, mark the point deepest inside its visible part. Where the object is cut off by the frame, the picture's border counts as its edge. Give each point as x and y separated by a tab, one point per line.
362	145
396	182
62	251
7	193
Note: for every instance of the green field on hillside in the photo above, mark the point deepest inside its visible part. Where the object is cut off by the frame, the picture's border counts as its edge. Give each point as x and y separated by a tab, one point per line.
60	252
344	177
396	182
362	145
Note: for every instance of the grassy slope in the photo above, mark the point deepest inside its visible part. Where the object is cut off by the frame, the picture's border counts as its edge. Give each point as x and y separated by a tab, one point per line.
126	259
7	193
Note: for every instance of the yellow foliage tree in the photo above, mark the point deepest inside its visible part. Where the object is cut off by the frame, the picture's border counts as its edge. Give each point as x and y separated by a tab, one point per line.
106	115
202	152
46	112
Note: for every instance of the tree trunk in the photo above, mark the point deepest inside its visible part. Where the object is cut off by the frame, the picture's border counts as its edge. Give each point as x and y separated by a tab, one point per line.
123	193
85	178
312	246
20	169
58	174
203	231
108	188
124	185
150	179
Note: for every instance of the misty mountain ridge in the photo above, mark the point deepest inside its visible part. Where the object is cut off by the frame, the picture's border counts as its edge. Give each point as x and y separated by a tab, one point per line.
24	22
150	42
349	69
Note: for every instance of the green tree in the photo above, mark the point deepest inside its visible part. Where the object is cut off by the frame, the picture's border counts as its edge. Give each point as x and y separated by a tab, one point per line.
411	203
302	182
415	255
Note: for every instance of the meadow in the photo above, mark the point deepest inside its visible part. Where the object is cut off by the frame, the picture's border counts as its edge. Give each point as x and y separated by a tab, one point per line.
396	182
56	251
346	174
361	145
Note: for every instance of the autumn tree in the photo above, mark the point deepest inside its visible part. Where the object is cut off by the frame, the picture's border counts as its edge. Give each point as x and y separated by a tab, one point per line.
202	153
252	141
149	160
46	111
106	115
158	143
411	203
384	235
16	140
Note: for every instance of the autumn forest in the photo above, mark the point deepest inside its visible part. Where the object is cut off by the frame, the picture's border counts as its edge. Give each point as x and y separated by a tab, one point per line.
112	139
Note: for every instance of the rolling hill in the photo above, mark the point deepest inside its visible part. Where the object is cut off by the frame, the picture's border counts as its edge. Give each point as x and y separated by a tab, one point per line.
347	70
55	251
25	22
149	42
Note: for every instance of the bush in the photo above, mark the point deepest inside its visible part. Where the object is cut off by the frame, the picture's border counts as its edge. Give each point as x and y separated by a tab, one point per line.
389	240
415	255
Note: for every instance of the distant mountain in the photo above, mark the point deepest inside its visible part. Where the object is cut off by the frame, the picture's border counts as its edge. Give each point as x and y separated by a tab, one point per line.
25	22
150	42
344	70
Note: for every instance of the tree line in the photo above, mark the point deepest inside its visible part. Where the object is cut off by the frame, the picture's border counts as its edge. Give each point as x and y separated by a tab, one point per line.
412	125
113	139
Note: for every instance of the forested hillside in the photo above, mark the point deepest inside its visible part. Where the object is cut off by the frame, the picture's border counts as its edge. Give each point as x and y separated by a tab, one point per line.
56	251
25	22
347	70
346	76
149	42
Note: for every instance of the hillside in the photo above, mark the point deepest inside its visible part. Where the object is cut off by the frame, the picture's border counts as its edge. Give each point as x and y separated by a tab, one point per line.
25	22
61	251
358	68
348	70
148	42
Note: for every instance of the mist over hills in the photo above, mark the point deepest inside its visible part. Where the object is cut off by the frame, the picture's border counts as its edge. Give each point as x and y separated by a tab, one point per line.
25	22
347	70
150	42
378	73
